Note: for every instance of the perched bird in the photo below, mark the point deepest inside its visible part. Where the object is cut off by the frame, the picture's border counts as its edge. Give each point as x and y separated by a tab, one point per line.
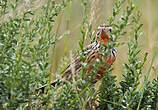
92	54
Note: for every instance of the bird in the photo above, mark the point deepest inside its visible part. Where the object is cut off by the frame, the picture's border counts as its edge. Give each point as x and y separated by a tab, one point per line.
92	54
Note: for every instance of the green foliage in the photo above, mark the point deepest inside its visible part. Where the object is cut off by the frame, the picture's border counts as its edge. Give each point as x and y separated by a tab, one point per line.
128	95
24	62
24	45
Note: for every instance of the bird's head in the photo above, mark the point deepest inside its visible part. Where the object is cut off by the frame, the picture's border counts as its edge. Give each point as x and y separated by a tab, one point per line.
102	34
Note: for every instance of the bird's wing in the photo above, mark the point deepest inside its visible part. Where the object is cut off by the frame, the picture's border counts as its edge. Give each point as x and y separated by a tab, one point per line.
77	61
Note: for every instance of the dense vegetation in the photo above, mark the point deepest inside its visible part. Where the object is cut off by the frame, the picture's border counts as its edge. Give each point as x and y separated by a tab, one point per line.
25	43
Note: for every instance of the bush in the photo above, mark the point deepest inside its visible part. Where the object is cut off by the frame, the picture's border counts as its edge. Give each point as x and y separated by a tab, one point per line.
24	62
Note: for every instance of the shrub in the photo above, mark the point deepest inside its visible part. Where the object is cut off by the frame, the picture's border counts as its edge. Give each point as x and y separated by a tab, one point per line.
24	62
